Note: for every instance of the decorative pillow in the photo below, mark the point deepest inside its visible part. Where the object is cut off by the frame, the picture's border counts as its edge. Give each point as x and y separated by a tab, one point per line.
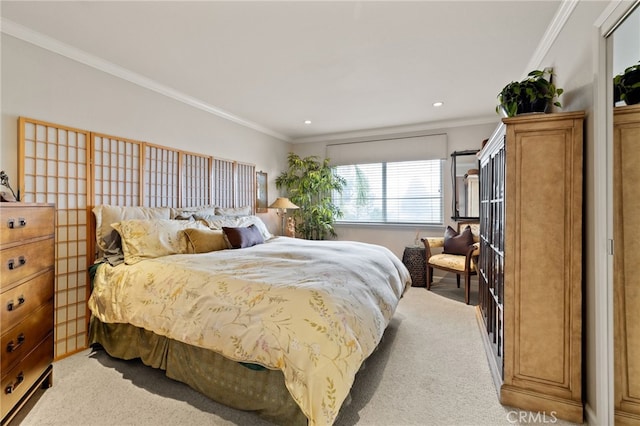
455	243
233	211
242	237
205	240
148	239
217	222
107	239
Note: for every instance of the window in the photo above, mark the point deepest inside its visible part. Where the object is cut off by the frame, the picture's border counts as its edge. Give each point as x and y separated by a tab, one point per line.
400	192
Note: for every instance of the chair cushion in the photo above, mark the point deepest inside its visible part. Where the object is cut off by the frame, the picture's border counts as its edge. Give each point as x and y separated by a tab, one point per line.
455	243
450	261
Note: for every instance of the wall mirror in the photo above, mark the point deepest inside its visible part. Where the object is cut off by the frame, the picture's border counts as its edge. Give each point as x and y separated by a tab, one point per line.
466	185
624	43
261	192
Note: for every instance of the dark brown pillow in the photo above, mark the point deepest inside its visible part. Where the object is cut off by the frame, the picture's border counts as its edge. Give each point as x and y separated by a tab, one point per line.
242	237
455	243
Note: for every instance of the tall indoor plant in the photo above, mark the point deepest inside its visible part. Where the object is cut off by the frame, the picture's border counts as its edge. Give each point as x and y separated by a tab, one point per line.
309	183
536	93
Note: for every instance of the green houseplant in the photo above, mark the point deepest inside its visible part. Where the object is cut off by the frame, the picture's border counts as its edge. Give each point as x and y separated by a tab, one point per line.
626	86
309	183
533	94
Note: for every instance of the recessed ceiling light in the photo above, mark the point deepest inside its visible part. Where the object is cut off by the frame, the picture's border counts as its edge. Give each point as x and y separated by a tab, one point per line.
438	104
307	121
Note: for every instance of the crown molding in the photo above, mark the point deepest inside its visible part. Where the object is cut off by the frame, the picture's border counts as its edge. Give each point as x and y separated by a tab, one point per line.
557	24
28	35
405	130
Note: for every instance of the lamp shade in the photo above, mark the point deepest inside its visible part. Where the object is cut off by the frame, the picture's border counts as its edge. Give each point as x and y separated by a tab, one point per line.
283	203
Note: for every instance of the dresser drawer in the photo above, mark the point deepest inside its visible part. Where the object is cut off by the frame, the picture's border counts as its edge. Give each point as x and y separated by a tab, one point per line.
18	380
20	301
21	339
25	260
21	222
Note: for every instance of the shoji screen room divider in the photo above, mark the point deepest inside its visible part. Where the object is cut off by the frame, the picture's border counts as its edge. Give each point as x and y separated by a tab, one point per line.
77	169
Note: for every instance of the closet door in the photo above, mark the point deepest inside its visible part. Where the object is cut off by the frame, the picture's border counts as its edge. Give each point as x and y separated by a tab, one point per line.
626	258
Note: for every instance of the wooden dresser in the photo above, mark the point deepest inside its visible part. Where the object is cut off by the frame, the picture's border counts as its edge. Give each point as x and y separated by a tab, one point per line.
26	295
531	262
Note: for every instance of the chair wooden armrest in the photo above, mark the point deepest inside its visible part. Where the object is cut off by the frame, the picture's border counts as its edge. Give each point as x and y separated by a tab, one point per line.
431	242
472	255
434	241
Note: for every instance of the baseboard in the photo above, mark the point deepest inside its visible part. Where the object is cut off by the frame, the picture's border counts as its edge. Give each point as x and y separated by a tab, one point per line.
548	405
590	416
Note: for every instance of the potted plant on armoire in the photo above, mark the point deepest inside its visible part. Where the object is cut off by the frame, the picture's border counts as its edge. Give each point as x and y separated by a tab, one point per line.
535	93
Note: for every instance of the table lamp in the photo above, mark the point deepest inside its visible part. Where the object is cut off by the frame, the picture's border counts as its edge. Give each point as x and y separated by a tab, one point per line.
282	204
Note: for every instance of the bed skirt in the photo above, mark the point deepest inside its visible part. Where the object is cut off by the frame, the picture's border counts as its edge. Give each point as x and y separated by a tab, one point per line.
227	382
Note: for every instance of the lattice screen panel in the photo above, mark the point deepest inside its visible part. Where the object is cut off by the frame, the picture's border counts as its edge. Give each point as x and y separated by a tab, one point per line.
117	170
54	169
161	168
245	190
196	180
223	183
72	167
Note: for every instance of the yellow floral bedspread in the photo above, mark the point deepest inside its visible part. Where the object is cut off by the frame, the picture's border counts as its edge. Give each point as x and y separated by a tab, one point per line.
314	309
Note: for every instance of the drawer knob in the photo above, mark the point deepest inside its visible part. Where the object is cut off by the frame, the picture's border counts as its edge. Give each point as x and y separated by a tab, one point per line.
11	305
11	346
14	265
19	379
20	223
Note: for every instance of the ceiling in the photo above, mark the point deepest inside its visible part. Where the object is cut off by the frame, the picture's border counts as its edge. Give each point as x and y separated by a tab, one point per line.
346	66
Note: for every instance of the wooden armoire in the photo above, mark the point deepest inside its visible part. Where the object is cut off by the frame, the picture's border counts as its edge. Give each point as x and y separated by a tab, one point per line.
626	259
530	266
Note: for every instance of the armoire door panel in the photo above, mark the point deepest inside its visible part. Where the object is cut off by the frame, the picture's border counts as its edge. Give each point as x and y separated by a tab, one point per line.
540	255
626	280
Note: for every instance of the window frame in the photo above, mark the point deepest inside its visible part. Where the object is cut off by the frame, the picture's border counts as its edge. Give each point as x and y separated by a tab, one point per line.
343	222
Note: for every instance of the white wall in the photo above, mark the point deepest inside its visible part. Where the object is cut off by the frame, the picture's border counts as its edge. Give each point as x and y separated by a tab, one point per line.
397	237
39	84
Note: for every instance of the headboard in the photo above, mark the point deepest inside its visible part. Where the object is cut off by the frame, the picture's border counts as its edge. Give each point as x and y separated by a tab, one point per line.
78	169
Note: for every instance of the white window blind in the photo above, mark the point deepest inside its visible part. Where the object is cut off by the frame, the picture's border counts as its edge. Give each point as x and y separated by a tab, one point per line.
431	147
406	192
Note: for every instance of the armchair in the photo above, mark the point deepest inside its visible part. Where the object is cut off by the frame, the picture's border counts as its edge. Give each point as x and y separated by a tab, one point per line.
460	251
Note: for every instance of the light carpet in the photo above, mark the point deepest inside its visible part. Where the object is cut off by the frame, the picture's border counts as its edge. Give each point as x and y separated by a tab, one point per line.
430	369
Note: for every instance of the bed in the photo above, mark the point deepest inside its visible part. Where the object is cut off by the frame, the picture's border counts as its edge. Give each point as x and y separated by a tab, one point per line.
277	325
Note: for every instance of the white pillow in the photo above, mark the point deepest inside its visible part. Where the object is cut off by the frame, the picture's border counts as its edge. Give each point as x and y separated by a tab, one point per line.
233	211
217	222
188	212
107	239
148	239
